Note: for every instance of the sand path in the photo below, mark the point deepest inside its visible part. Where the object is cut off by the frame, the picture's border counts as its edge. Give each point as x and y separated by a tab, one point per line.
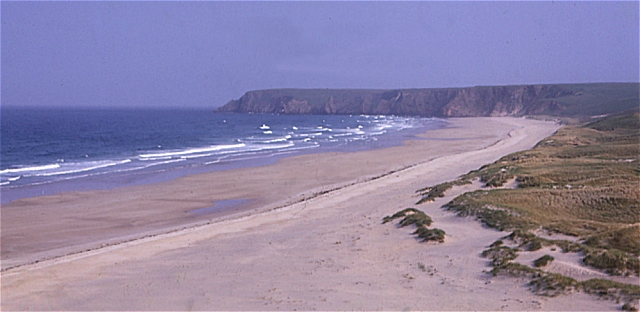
327	252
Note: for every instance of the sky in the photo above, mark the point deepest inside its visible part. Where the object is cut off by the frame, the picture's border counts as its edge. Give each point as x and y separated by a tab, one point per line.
204	54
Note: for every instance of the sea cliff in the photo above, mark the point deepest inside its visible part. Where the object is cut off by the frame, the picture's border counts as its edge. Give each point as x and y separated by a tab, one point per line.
551	100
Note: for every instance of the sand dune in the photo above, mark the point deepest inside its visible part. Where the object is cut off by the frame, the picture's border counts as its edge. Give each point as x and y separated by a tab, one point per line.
310	238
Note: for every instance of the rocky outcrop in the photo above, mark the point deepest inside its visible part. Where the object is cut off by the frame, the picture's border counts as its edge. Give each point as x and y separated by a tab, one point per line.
450	102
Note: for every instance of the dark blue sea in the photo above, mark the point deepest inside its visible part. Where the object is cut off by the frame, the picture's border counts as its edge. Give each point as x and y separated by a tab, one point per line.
45	151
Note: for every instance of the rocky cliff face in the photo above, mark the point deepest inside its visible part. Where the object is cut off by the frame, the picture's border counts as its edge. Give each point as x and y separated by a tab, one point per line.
454	102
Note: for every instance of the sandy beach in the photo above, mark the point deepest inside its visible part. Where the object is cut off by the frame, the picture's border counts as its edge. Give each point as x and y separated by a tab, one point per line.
304	234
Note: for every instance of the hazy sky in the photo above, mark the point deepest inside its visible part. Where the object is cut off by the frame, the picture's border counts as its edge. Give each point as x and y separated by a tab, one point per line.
203	54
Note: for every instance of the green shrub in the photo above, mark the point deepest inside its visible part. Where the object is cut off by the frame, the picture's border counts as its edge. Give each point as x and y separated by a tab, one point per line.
421	267
569	246
426	234
431	193
543	261
420	219
629	307
552	284
536	244
500	255
435	192
400	214
496	179
611	289
529	181
516	269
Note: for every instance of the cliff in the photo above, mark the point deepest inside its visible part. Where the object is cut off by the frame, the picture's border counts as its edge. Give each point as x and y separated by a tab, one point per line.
552	100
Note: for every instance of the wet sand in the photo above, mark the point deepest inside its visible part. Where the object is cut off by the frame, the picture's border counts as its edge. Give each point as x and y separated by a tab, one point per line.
306	235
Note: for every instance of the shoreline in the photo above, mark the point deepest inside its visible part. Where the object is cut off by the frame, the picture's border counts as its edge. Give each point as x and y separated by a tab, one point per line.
123	177
314	242
221	218
188	193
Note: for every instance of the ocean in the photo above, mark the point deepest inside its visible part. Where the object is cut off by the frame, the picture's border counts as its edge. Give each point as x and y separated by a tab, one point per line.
45	151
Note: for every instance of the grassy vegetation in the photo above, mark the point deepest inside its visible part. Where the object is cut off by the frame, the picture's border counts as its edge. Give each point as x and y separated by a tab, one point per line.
611	289
613	261
598	99
552	284
625	238
530	242
629	307
422	267
583	182
474	204
431	193
410	216
436	235
500	255
543	261
421	220
515	269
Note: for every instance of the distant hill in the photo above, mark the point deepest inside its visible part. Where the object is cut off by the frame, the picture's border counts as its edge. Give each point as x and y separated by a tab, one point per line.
562	100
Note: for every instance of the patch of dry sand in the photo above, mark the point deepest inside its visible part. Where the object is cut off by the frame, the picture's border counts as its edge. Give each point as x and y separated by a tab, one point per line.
328	252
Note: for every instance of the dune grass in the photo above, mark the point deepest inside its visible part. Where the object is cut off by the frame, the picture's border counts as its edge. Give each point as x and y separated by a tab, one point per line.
500	255
410	216
543	261
629	307
583	182
553	284
421	220
614	262
436	235
431	193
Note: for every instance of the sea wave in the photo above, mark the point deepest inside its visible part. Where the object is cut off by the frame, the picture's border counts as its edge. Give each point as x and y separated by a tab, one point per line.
282	139
29	169
69	168
272	136
151	165
192	151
